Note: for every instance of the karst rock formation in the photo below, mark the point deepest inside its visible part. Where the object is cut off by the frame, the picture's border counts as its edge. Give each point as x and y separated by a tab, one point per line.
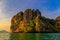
31	20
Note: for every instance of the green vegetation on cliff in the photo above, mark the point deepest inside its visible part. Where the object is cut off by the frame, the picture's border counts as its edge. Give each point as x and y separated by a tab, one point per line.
33	21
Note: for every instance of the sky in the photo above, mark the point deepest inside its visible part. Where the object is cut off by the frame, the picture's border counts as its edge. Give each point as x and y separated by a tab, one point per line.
8	8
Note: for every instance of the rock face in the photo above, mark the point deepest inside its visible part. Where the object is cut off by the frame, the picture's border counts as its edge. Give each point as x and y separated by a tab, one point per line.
31	21
58	20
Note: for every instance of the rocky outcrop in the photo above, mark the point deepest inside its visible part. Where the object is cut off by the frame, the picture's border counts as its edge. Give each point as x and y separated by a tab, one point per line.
58	20
31	21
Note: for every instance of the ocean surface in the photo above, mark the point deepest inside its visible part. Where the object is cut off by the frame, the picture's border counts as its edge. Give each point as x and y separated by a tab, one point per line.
29	36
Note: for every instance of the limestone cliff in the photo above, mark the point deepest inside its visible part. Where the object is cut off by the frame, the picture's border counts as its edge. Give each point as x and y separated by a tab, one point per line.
31	21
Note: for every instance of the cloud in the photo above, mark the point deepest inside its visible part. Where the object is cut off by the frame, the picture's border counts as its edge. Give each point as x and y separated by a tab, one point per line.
51	14
56	13
14	6
2	8
5	24
4	21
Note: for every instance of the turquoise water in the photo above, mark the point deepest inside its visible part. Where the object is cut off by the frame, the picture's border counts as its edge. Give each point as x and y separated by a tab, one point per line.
29	36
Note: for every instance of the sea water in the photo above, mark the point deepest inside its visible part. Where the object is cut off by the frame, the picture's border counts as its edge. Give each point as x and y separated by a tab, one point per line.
29	36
